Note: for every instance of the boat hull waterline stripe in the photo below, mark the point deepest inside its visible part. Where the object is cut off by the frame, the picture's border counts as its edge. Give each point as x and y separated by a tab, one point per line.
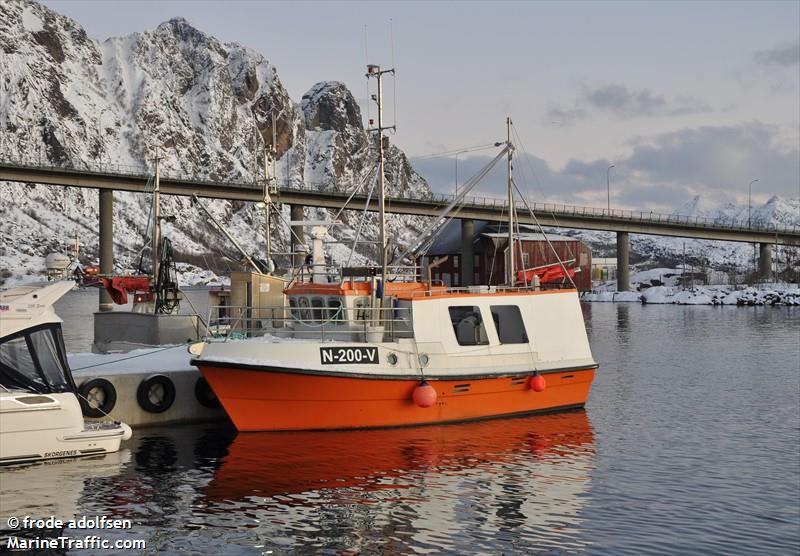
353	374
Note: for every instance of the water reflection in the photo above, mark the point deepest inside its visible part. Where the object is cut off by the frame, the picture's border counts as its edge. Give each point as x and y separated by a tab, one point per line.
623	324
52	489
449	488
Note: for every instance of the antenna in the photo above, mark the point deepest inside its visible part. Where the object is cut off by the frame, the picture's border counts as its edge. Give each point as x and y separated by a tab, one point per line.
375	71
394	77
366	84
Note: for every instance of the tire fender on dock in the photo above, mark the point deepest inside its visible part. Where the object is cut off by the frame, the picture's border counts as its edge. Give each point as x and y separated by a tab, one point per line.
97	397
204	394
156	393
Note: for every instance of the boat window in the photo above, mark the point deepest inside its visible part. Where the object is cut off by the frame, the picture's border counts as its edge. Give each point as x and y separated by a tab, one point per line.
319	313
305	312
508	322
46	351
293	308
468	325
335	309
34	361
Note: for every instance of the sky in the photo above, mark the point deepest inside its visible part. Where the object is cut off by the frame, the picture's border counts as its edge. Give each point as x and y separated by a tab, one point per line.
682	98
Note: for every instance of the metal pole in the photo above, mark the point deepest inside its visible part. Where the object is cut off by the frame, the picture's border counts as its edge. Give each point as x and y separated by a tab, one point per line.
267	202
749	222
608	186
156	217
510	267
106	240
458	153
749	201
381	193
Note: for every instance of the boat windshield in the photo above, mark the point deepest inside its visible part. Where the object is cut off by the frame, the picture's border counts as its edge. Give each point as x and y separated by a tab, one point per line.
34	360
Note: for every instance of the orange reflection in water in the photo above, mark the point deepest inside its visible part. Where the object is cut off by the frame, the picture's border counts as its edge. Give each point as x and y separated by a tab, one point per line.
269	464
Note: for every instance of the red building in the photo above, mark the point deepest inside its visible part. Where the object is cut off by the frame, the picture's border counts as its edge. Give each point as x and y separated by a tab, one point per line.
490	254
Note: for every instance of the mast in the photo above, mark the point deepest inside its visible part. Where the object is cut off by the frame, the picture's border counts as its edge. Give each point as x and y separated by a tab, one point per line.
156	218
376	72
267	201
510	267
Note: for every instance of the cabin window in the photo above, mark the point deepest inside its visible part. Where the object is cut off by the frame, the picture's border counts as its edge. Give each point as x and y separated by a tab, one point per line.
15	355
293	308
319	308
335	309
468	325
305	312
34	361
508	322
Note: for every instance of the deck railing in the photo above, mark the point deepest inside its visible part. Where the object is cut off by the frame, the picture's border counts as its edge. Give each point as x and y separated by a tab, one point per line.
329	322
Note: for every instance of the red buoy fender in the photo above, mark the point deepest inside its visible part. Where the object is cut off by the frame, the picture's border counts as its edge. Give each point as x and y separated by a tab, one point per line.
424	394
538	383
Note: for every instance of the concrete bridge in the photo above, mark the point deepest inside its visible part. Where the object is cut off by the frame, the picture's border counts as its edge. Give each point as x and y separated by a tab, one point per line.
108	178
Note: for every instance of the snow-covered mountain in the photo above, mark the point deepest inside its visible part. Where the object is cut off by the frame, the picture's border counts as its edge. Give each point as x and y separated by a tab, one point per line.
649	250
207	107
776	211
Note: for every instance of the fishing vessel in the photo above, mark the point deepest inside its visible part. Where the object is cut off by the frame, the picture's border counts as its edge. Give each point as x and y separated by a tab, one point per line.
385	347
40	417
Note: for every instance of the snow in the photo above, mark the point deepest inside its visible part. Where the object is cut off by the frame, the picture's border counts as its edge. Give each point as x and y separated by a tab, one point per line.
161	359
31	21
672	293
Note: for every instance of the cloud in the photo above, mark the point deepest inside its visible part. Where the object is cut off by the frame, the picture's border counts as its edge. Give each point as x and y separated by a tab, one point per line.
619	101
661	172
784	55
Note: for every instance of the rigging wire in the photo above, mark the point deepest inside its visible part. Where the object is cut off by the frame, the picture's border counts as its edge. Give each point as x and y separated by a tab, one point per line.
441	218
454	151
519	246
538	184
347	202
363	218
494	255
541	229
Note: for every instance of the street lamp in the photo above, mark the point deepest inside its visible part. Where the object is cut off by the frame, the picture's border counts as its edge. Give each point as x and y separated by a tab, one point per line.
749	201
608	186
469	150
458	153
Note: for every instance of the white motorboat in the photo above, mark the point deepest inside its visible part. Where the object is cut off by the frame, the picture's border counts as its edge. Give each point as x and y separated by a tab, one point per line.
40	417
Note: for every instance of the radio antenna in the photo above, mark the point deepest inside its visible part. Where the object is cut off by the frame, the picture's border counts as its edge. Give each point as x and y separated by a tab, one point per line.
394	77
366	83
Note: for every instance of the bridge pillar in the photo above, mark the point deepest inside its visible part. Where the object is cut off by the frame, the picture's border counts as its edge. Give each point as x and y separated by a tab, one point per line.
467	251
106	214
297	235
623	254
764	260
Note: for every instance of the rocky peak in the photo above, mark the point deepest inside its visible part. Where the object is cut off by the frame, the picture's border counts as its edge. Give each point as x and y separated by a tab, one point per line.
330	105
208	105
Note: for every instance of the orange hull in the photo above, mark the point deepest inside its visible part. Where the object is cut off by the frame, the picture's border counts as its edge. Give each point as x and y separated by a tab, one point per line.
274	400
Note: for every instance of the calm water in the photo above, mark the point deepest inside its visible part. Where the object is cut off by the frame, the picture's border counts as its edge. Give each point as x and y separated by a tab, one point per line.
689	444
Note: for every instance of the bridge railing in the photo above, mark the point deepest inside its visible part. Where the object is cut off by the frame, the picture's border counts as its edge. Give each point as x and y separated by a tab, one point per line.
436	199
